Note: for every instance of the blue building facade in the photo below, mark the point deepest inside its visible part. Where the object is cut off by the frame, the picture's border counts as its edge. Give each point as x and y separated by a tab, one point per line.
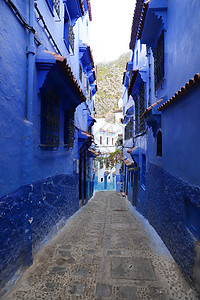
47	90
161	145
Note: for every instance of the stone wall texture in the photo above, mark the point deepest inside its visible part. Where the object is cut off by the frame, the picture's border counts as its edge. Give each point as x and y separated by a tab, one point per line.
29	215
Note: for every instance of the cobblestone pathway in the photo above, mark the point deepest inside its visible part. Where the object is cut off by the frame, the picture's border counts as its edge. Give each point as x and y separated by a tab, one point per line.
105	251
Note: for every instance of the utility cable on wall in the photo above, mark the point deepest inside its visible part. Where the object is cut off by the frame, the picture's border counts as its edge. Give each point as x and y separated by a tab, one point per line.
21	19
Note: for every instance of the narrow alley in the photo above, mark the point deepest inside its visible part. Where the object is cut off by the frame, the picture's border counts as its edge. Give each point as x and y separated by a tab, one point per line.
107	250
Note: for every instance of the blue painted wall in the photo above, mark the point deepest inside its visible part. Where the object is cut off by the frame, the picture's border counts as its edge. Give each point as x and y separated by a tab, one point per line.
170	199
38	188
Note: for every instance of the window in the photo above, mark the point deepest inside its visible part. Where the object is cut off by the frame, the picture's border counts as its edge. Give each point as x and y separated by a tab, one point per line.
159	143
142	105
68	33
69	128
136	113
50	118
85	82
100	140
107	140
192	218
131	127
112	141
143	175
101	179
54	5
159	61
80	73
136	57
101	164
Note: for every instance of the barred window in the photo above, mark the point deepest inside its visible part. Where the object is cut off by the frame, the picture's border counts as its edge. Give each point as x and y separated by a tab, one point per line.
68	33
159	143
136	113
54	5
142	105
159	61
50	119
69	128
131	127
143	175
80	73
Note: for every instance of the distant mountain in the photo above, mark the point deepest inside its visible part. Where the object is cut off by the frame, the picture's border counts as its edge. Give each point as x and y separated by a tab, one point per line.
109	82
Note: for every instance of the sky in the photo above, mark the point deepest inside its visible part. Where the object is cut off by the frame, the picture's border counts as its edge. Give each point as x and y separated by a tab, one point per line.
110	29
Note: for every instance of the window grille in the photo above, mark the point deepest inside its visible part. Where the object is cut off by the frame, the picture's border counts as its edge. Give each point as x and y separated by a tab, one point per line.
159	143
50	118
142	106
159	61
56	4
136	113
143	175
127	132
68	33
69	128
80	73
131	127
71	36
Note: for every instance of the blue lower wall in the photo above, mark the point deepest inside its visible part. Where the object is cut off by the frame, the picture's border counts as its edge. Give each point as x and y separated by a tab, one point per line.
165	207
28	215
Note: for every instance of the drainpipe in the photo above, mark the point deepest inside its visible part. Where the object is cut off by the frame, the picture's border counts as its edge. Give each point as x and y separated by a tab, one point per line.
28	143
30	55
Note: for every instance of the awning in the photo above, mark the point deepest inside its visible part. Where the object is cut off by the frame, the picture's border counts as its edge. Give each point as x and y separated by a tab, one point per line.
91	120
138	76
153	20
92	151
129	162
135	154
86	58
54	71
75	9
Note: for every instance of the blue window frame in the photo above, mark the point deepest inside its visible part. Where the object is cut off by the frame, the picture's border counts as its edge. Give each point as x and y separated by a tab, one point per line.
68	33
54	5
50	119
192	218
69	128
143	175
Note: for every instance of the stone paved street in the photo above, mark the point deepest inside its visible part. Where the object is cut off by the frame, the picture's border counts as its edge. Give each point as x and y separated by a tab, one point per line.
105	251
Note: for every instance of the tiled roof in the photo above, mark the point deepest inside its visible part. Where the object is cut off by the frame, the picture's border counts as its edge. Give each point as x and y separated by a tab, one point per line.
143	16
150	107
93	152
89	9
82	7
124	158
103	130
92	118
128	162
131	150
192	82
68	72
133	78
91	56
135	23
87	134
107	172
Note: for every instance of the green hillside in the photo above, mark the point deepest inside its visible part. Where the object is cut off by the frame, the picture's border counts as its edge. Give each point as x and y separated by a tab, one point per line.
109	81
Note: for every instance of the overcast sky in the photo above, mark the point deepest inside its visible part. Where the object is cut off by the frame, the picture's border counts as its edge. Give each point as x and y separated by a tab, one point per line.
110	28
